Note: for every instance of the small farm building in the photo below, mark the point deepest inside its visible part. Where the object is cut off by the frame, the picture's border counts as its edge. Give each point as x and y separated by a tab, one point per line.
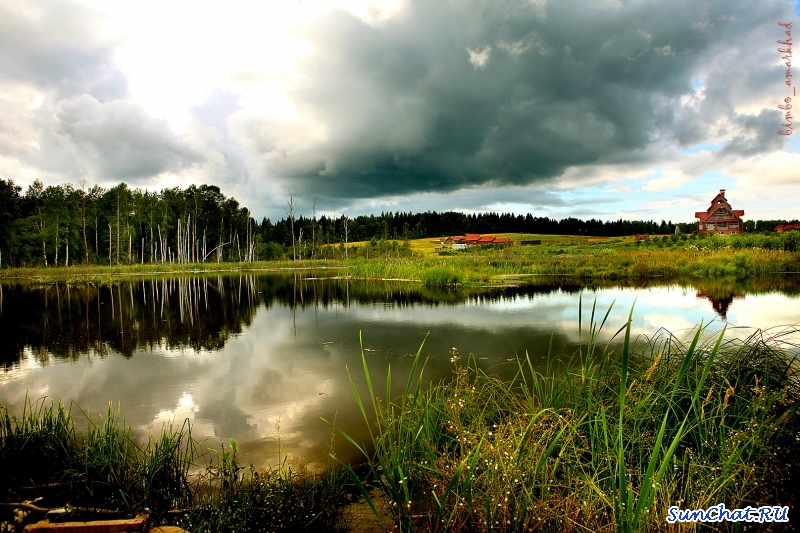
475	239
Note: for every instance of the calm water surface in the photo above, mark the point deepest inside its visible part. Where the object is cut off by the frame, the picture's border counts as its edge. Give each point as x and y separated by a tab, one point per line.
239	355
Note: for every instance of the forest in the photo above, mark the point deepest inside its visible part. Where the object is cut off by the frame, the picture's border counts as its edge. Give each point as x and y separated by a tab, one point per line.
67	224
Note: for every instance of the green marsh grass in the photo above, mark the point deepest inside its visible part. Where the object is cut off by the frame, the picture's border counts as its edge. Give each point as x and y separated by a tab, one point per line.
102	468
443	278
112	273
607	262
284	498
668	258
607	443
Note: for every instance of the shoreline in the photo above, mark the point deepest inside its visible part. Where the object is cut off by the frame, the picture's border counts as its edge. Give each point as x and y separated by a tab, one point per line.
476	270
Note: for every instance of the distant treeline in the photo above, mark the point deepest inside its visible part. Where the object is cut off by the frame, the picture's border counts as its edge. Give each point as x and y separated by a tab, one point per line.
65	224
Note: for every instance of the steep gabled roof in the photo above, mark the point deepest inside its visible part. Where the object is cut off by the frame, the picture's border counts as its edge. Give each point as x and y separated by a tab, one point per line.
719	202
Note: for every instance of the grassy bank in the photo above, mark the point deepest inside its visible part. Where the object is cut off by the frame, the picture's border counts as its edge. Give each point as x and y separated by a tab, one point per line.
667	257
610	447
605	263
113	273
102	473
608	442
478	269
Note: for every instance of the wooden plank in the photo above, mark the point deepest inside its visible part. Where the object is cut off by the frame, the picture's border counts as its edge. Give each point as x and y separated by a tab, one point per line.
97	526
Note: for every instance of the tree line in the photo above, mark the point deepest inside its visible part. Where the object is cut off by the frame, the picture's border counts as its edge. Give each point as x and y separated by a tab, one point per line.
67	224
64	225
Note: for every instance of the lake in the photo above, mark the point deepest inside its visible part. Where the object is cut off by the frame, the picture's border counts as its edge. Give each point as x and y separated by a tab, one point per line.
260	355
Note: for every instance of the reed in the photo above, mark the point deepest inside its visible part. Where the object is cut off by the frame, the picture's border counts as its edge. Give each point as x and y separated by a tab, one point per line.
103	468
284	498
39	446
609	262
606	443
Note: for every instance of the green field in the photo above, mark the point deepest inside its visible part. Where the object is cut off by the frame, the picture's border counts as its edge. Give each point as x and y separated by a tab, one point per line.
593	258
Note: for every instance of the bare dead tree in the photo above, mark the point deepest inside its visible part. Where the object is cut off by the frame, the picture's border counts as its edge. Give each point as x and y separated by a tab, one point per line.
83	218
345	236
313	228
300	244
161	243
290	209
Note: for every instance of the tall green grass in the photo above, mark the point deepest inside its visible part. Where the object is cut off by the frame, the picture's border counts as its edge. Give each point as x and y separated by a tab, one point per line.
443	278
83	272
170	476
609	262
607	443
103	467
284	498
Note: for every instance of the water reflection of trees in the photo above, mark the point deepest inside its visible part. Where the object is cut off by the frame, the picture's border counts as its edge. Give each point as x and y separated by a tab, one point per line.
187	312
202	312
175	313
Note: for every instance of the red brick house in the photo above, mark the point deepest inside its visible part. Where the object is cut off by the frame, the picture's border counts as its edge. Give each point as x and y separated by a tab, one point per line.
720	218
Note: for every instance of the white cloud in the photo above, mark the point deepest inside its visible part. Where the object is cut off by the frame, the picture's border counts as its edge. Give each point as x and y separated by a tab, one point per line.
479	56
764	170
667	180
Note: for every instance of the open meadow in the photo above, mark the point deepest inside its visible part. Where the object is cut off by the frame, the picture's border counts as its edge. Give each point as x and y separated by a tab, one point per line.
433	262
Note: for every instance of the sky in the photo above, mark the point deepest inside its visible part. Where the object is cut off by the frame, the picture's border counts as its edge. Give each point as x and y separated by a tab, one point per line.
560	108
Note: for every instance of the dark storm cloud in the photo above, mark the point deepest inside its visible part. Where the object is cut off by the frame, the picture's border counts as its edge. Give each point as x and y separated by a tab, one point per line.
757	136
119	141
448	95
56	46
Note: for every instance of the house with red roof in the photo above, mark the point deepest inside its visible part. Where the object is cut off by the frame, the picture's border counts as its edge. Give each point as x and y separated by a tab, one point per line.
475	239
780	228
720	217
